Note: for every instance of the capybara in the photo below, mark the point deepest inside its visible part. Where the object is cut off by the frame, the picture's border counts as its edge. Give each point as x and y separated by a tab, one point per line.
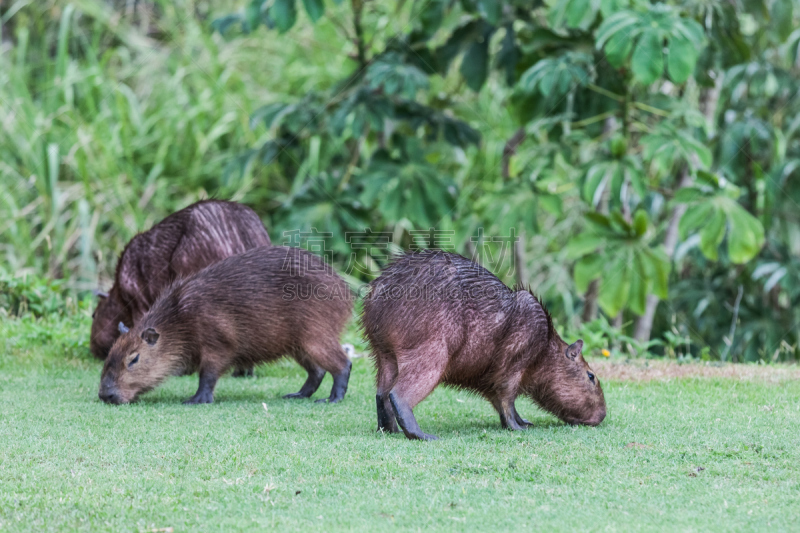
180	245
433	317
249	308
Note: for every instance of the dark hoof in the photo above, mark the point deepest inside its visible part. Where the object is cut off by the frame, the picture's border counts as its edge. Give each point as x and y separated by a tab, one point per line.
200	398
295	396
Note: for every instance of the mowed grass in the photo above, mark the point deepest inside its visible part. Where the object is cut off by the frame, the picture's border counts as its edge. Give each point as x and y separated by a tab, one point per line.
689	454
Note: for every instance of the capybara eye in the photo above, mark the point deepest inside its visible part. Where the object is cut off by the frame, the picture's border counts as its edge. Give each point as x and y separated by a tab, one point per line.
94	314
134	361
591	377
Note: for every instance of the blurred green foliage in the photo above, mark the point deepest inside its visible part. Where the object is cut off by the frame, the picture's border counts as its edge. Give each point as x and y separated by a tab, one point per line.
645	152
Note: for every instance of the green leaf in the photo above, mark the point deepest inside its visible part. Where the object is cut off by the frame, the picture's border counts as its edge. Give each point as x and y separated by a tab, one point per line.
694	217
431	17
659	264
475	64
647	62
616	24
640	222
682	59
314	8
687	195
746	236
284	13
711	234
491	10
551	203
587	270
615	286
577	11
582	245
639	281
508	55
618	49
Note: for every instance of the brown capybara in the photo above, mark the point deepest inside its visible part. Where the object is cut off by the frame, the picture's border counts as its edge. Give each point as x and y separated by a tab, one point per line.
249	308
180	245
433	317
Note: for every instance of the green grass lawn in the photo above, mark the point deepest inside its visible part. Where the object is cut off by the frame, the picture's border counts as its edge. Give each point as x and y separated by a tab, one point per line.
691	454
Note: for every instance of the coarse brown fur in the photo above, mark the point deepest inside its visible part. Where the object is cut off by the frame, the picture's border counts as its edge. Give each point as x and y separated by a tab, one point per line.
250	308
180	245
437	318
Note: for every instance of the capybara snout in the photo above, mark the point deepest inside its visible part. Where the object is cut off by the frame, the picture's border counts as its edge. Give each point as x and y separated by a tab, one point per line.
437	318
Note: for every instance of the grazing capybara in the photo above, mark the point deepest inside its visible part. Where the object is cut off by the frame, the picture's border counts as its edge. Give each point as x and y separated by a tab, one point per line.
246	309
433	317
180	245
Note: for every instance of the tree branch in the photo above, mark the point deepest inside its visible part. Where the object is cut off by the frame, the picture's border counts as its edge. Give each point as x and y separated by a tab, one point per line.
510	149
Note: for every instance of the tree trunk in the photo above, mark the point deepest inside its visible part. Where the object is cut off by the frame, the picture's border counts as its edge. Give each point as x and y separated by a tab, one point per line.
645	323
708	106
590	302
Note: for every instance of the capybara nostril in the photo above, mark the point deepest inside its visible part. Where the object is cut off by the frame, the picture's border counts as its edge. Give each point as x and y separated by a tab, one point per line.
109	396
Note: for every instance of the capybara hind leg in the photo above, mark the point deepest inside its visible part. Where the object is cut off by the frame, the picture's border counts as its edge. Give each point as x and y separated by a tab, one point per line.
405	417
340	381
205	392
330	355
386	376
243	371
315	375
419	371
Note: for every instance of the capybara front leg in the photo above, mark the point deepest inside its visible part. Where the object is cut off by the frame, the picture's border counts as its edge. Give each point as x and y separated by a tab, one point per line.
205	392
521	421
315	375
405	417
340	381
508	417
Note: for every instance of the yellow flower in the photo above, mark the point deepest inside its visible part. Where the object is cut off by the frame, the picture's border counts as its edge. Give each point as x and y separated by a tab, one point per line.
605	352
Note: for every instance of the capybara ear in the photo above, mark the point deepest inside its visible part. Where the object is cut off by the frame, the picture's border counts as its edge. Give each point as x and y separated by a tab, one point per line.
122	328
100	294
574	349
150	336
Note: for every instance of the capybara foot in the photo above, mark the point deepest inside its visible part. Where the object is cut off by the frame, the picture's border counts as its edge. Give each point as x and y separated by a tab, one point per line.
201	397
244	372
421	436
405	417
521	421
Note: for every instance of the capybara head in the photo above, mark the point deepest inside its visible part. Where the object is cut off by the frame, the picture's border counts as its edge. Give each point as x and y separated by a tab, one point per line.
108	313
562	382
137	362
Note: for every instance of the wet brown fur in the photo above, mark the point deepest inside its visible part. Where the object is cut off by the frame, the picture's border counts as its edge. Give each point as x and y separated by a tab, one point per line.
250	308
178	246
437	318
